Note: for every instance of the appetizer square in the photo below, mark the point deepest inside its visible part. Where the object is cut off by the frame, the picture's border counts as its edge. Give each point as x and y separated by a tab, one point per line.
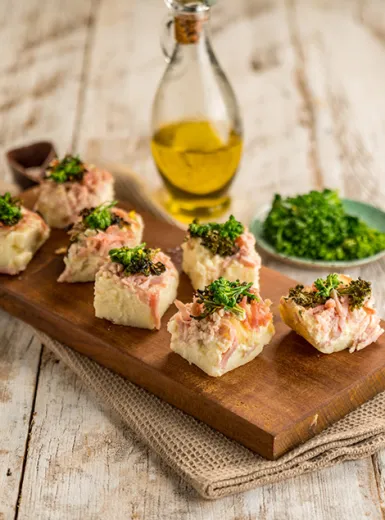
226	326
214	250
69	187
22	233
333	314
96	232
135	287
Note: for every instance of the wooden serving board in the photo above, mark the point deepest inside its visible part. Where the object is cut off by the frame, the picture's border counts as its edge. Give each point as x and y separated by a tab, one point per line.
285	396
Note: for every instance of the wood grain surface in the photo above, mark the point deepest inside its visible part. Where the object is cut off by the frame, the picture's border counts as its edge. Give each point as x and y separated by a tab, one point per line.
288	394
309	77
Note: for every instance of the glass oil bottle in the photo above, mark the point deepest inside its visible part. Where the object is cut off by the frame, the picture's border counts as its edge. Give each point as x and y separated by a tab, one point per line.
196	127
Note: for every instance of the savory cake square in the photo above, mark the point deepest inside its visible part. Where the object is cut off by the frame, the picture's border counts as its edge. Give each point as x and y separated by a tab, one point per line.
214	250
22	233
69	187
333	314
226	326
135	287
96	232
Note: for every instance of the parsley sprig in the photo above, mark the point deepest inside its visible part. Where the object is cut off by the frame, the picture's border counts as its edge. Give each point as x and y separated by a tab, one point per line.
100	217
218	238
358	292
316	226
325	287
69	169
139	259
10	212
222	294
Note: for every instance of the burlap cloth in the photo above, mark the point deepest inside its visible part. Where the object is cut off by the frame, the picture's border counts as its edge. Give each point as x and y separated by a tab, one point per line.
213	464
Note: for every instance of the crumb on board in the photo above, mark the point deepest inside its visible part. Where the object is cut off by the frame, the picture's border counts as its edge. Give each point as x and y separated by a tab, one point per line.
314	421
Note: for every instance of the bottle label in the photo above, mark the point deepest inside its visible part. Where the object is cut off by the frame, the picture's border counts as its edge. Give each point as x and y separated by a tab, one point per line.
188	28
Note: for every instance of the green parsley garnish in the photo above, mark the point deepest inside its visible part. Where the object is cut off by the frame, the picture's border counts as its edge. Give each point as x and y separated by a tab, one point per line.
316	226
222	294
10	212
138	259
325	287
100	217
358	291
71	168
218	238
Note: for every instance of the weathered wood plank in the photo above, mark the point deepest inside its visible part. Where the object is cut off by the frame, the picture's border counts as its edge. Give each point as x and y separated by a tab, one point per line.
343	49
342	45
43	45
125	66
84	464
19	360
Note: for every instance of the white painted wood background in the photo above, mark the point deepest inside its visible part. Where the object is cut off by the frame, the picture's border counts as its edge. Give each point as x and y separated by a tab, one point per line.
310	79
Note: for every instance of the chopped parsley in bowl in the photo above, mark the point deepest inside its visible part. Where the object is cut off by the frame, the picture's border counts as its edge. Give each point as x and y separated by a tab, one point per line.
321	229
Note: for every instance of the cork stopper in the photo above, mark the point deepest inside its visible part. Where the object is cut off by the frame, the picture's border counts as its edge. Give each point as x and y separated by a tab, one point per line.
188	27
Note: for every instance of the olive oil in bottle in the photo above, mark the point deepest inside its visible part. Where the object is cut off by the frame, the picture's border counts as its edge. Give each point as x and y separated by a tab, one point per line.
196	127
197	164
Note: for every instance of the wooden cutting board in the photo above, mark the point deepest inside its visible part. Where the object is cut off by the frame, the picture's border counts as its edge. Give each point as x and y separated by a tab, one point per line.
285	396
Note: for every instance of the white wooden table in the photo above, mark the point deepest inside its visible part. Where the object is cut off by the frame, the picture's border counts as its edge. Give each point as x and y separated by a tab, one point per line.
310	78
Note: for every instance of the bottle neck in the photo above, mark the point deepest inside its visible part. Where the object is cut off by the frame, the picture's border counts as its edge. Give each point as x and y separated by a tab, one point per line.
190	28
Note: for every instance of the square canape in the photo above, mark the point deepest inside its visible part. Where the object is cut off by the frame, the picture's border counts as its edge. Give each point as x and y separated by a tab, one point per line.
96	232
226	326
214	250
22	233
69	187
333	314
135	287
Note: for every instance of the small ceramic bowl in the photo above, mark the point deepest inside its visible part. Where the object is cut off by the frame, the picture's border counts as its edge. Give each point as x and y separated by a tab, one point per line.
373	216
28	163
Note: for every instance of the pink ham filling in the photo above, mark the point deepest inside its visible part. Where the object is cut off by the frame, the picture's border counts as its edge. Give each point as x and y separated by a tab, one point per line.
247	254
80	195
104	241
101	243
333	316
257	315
147	288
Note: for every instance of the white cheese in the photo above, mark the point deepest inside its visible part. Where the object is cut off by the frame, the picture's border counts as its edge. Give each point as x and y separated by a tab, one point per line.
208	355
121	304
203	267
20	242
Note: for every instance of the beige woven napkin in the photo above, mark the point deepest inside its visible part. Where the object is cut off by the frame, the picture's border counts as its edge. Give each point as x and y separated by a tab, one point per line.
213	464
